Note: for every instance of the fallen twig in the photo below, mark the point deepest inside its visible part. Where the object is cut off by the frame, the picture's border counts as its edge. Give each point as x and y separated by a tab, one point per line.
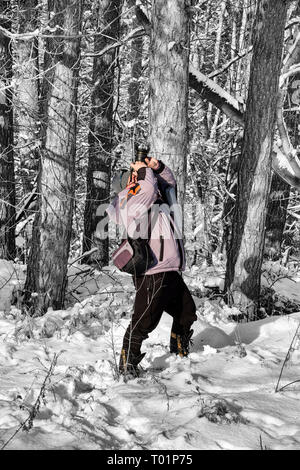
28	423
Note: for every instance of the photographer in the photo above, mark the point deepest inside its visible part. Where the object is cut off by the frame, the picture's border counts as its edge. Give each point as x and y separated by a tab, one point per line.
161	287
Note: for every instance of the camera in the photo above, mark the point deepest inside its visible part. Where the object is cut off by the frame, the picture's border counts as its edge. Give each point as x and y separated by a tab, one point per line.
141	153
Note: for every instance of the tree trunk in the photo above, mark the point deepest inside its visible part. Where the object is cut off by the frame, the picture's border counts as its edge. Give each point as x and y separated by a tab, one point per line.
27	96
212	115
101	130
47	268
169	56
7	176
254	173
136	72
242	67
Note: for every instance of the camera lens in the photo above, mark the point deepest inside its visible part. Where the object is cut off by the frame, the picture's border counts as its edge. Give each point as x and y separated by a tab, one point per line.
141	155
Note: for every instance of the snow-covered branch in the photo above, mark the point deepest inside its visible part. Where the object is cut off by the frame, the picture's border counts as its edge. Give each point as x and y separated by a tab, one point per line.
284	157
210	90
293	70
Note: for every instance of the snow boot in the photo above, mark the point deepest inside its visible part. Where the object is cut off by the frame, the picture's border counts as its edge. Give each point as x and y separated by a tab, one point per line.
129	364
180	344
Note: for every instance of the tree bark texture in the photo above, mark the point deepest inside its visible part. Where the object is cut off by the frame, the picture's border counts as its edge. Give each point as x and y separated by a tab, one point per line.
101	132
27	95
169	58
136	72
214	115
254	173
47	270
7	177
241	75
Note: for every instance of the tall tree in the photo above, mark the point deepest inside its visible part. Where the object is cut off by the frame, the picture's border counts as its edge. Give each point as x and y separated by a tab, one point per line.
27	93
7	176
136	72
169	60
47	267
254	172
101	130
213	121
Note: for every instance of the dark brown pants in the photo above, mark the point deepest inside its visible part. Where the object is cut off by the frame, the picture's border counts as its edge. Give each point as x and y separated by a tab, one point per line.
155	294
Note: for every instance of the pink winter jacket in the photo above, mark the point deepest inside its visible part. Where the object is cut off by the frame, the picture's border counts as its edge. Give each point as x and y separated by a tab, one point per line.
130	208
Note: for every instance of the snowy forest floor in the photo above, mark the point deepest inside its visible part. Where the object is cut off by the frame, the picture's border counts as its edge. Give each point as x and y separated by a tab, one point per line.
59	388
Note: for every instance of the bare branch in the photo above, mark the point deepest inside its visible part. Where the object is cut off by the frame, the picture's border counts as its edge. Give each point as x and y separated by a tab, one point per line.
28	423
228	64
86	253
51	32
136	33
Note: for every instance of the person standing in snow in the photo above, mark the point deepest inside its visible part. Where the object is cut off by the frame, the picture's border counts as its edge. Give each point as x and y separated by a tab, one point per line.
161	288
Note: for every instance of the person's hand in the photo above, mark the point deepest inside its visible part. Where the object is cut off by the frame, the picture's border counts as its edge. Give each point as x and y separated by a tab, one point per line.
137	165
152	163
132	180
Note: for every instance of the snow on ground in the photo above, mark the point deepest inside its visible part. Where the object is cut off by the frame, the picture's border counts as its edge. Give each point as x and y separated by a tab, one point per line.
221	397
